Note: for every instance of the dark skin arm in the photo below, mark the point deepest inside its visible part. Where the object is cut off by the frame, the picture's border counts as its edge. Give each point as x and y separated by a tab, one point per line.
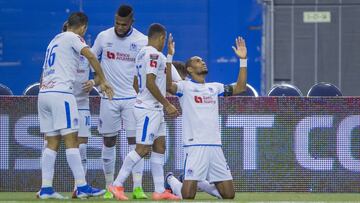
241	51
171	87
136	84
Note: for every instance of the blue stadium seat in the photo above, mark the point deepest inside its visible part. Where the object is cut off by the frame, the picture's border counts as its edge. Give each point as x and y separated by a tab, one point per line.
94	92
4	90
324	89
250	91
32	90
285	90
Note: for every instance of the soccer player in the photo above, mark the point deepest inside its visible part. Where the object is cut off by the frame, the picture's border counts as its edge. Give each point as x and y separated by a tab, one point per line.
57	106
149	115
117	47
199	102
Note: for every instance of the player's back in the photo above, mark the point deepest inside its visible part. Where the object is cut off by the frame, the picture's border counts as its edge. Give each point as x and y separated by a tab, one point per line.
61	62
82	75
117	57
150	61
200	112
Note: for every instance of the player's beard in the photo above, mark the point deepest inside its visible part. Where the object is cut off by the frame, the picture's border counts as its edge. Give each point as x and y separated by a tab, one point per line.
122	35
204	72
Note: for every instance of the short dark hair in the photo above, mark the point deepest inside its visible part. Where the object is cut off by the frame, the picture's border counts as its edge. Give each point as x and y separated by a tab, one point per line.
125	11
180	67
188	64
156	29
77	19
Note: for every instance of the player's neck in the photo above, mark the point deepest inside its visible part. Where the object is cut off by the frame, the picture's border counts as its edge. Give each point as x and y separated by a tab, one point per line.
155	45
76	31
198	78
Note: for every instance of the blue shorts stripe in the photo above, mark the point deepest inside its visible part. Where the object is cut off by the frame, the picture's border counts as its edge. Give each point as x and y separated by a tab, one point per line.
185	164
146	123
68	116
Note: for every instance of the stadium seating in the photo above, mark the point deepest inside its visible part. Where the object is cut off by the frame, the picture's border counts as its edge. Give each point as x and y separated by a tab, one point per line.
285	90
250	91
32	90
324	89
4	90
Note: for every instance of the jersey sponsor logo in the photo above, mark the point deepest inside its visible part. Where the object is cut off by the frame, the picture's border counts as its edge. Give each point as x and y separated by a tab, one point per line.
119	56
204	100
81	39
154	56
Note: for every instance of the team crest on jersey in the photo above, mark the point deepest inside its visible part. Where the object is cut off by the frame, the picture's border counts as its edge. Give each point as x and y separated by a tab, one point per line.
211	90
154	56
189	172
151	136
133	47
76	122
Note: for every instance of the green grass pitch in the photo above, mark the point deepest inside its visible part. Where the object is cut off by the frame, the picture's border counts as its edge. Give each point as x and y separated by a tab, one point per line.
202	197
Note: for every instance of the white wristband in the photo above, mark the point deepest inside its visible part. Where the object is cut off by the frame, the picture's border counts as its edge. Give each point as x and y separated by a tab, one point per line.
243	63
169	58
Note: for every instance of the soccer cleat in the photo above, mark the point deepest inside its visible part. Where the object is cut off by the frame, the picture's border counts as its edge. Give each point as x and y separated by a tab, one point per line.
108	195
88	191
118	192
166	195
138	193
166	184
48	193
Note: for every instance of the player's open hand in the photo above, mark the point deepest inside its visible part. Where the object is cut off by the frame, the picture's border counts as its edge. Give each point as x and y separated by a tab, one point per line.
107	90
240	49
171	45
88	85
171	110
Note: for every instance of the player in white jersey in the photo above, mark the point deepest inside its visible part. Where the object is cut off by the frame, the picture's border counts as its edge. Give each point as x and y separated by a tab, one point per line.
117	47
57	106
205	159
148	111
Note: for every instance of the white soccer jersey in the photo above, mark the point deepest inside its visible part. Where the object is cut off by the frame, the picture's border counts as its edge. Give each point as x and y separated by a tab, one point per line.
175	74
117	56
82	75
61	62
149	60
200	112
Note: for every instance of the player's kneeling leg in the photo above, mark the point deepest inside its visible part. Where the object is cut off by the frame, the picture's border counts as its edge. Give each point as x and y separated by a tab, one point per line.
226	189
189	189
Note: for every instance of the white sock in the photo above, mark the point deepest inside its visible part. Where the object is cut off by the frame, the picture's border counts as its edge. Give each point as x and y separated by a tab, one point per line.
47	167
175	185
209	188
157	170
83	156
137	171
130	160
74	161
108	155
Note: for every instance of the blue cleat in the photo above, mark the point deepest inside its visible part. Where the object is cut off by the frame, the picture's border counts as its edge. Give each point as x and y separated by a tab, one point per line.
88	191
48	193
181	177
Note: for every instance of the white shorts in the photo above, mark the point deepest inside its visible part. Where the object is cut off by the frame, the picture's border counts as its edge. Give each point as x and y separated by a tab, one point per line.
149	125
206	163
112	112
84	123
58	113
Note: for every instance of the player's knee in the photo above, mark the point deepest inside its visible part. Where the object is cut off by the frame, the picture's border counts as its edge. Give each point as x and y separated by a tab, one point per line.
142	150
188	195
110	141
228	195
131	140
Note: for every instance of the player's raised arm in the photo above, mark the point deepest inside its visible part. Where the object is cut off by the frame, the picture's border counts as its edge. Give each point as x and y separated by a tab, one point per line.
170	86
104	86
241	51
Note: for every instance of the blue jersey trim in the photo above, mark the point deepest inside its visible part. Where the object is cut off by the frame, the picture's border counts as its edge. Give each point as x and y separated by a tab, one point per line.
55	92
125	98
179	94
68	116
146	123
138	107
203	145
221	94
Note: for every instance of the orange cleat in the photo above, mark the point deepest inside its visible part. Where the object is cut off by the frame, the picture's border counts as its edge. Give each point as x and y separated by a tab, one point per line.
165	195
118	192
